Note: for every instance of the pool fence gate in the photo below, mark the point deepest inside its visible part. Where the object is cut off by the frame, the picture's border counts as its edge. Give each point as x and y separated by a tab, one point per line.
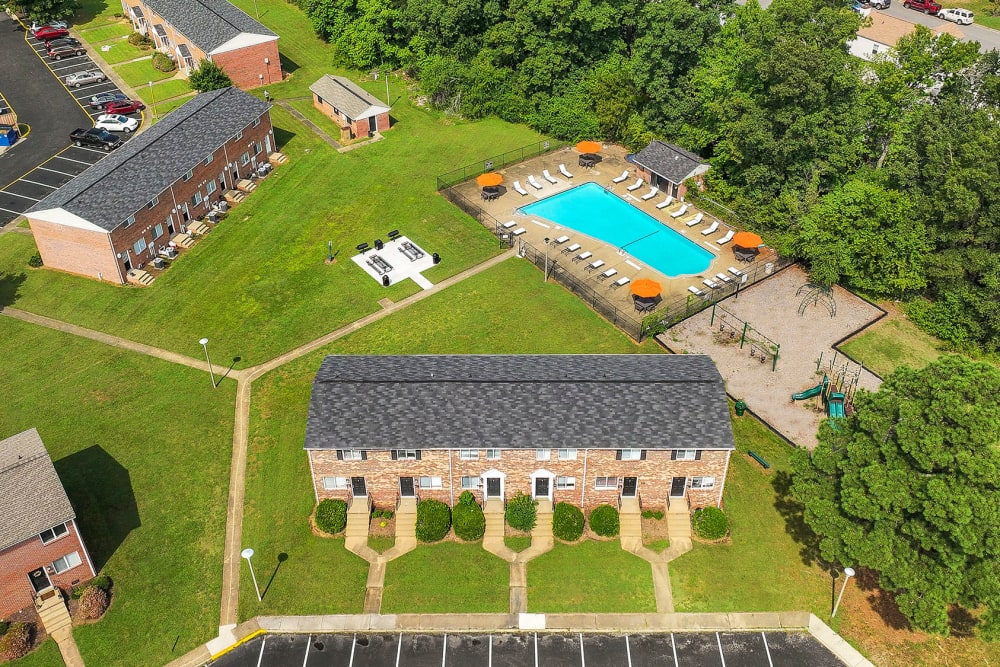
497	162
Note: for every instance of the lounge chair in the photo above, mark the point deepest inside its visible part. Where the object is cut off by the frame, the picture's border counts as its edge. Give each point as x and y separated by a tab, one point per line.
635	186
572	248
562	170
548	176
696	220
697	292
519	190
582	256
519	231
561	240
607	274
711	229
649	195
621	178
621	282
593	266
681	211
723	277
666	202
727	238
736	272
708	282
509	224
533	183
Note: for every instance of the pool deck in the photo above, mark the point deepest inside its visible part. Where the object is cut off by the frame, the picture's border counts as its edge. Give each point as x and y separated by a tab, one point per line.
611	166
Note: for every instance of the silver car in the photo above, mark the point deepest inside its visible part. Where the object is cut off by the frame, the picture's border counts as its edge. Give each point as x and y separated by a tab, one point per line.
78	79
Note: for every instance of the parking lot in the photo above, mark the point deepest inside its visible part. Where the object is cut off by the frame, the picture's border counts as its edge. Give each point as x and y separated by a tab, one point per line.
33	85
689	649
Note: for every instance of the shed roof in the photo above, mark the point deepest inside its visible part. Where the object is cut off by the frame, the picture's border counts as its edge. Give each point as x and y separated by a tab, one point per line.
208	23
348	97
669	161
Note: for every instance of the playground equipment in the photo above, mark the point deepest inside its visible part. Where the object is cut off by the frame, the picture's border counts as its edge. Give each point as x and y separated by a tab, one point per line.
812	391
817	295
835	405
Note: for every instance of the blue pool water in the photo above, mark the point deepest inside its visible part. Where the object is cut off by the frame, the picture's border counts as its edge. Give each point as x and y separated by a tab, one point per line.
592	210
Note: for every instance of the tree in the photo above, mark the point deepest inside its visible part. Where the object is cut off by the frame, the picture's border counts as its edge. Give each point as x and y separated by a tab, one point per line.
910	487
43	10
209	76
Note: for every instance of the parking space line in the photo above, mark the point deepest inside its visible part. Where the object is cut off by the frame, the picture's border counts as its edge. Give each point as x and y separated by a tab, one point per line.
722	656
69	159
628	651
261	656
444	650
8	192
536	649
674	647
305	658
92	150
44	185
767	650
353	644
583	661
10	211
56	171
489	660
399	648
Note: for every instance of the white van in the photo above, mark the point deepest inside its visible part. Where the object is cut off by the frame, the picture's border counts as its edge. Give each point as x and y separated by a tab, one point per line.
960	16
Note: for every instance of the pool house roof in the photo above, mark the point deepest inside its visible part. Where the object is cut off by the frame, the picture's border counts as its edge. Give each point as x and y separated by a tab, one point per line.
670	162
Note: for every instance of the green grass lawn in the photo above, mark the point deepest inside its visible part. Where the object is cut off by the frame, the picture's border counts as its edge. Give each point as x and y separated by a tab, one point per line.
142	447
517	542
591	576
94	13
893	343
46	655
448	577
163	108
141	72
104	33
163	91
120	51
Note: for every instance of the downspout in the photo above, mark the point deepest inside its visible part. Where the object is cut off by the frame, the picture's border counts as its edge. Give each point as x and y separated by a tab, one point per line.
83	545
451	480
583	486
312	473
725	473
118	267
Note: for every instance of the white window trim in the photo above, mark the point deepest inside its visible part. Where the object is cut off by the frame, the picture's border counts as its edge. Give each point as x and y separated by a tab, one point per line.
351	455
570	454
434	482
468	454
698	483
631	455
475	482
336	483
605	487
54	536
543	454
67	558
688	454
565	483
493	454
406	454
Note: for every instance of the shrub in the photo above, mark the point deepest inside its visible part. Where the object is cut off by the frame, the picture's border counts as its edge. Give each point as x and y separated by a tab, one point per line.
433	520
93	603
209	76
331	515
567	522
521	512
140	40
710	523
652	514
35	260
382	514
3	627
163	62
102	581
470	523
604	521
16	642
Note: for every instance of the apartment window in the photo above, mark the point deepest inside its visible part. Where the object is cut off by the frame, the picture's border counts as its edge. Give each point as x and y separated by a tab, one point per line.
430	482
256	121
67	562
157	231
685	455
352	455
257	148
245	158
468	483
196	199
336	483
606	483
543	454
468	454
139	245
406	455
189	175
493	454
565	483
702	482
208	160
129	221
631	455
210	187
567	455
53	533
239	135
153	202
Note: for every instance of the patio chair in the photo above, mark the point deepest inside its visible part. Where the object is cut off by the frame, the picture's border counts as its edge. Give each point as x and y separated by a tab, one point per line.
562	170
697	292
519	231
635	186
736	272
727	238
583	256
572	248
593	266
649	195
723	277
533	183
708	282
561	240
548	176
711	229
666	202
509	224
621	282
681	211
519	190
696	220
607	274
620	179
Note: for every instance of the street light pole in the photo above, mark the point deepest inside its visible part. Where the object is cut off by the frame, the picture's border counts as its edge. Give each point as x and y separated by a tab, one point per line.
848	572
545	277
152	97
248	554
211	371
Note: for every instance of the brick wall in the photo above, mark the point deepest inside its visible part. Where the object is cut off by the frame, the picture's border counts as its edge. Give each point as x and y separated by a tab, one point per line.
85	253
17	561
246	66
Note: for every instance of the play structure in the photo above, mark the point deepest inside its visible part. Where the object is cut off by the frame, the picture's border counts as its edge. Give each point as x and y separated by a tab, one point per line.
834	400
816	295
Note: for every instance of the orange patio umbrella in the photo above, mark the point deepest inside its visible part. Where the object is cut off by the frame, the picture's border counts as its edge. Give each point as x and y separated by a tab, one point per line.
747	240
489	180
646	288
589	147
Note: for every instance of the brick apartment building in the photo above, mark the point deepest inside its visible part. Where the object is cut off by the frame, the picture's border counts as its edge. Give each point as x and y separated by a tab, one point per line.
583	429
356	112
194	30
40	544
119	213
667	166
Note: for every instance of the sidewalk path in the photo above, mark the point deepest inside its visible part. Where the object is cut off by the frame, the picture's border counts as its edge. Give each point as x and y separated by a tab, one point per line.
308	123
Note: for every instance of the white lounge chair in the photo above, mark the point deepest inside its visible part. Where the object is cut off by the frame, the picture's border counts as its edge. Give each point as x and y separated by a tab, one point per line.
621	178
519	190
696	220
666	202
723	277
694	290
736	272
621	282
593	266
681	211
607	274
711	229
561	240
708	282
562	170
533	183
649	195
548	176
635	186
509	224
583	256
572	248
727	238
519	231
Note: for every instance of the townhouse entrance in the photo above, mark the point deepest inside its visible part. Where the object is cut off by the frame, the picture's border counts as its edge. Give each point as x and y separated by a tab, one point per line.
677	486
39	580
493	483
358	487
406	489
630	487
541	484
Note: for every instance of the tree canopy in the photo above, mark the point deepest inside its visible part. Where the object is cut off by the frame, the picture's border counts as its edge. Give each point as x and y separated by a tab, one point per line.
909	487
209	76
43	10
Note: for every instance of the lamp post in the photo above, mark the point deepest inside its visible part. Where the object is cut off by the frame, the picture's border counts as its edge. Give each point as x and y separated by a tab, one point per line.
152	97
204	344
248	554
545	277
848	573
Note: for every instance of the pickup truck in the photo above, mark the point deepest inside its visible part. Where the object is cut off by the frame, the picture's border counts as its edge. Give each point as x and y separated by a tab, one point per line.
925	6
95	137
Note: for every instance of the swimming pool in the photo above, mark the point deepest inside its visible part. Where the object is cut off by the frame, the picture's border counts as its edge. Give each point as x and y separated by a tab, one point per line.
592	210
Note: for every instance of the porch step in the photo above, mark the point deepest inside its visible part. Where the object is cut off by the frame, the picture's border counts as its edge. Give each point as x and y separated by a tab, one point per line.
679	521
494	513
358	516
139	277
198	228
53	612
277	158
234	196
246	185
543	523
183	240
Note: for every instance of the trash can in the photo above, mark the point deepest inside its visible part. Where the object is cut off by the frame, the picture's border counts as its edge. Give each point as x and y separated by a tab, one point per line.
768	268
741	407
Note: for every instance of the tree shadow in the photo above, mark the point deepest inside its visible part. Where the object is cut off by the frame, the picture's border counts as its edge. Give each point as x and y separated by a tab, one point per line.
792	511
882	602
100	490
961	622
282	557
10	285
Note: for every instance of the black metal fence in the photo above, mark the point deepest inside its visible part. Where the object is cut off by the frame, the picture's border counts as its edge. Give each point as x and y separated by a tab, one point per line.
477	212
496	162
761	347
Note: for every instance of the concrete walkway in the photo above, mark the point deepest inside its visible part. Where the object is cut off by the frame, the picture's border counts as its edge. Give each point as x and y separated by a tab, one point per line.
356	541
679	532
541	542
308	123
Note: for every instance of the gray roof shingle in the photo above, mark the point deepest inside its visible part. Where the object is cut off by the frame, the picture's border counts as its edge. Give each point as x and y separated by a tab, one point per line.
669	161
346	95
126	180
32	498
518	401
208	23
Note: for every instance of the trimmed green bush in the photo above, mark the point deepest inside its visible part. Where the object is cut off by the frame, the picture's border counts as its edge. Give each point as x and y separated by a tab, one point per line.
382	514
604	521
433	520
140	40
331	515
710	523
468	518
101	581
93	603
652	514
163	62
16	642
35	261
521	513
567	522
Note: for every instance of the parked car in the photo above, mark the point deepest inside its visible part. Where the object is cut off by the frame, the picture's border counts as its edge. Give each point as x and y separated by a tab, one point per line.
124	106
101	100
95	136
880	4
58	25
62	41
67	51
960	16
77	79
47	32
925	6
114	122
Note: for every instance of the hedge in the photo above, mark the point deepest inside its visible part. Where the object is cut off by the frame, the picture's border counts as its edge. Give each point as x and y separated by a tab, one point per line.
710	523
470	523
331	515
604	521
93	603
16	642
567	522
433	520
521	513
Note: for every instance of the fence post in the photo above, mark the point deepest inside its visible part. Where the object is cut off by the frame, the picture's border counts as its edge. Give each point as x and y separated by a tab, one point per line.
819	361
774	363
711	322
744	336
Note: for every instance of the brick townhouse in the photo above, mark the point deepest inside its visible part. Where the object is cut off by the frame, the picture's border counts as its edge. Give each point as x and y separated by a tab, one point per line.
356	112
40	544
119	213
584	429
194	30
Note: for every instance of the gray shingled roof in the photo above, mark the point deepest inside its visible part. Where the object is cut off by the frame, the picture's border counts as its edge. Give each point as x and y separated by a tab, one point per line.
127	179
346	95
32	498
518	401
669	161
208	23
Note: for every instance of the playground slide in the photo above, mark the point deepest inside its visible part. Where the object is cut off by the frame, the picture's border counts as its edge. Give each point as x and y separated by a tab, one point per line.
808	393
835	408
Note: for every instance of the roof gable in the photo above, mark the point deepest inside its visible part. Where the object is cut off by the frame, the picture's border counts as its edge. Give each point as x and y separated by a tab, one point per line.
207	23
348	97
669	161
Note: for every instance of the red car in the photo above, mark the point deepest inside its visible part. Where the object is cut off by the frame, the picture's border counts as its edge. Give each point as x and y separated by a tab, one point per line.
48	32
124	106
